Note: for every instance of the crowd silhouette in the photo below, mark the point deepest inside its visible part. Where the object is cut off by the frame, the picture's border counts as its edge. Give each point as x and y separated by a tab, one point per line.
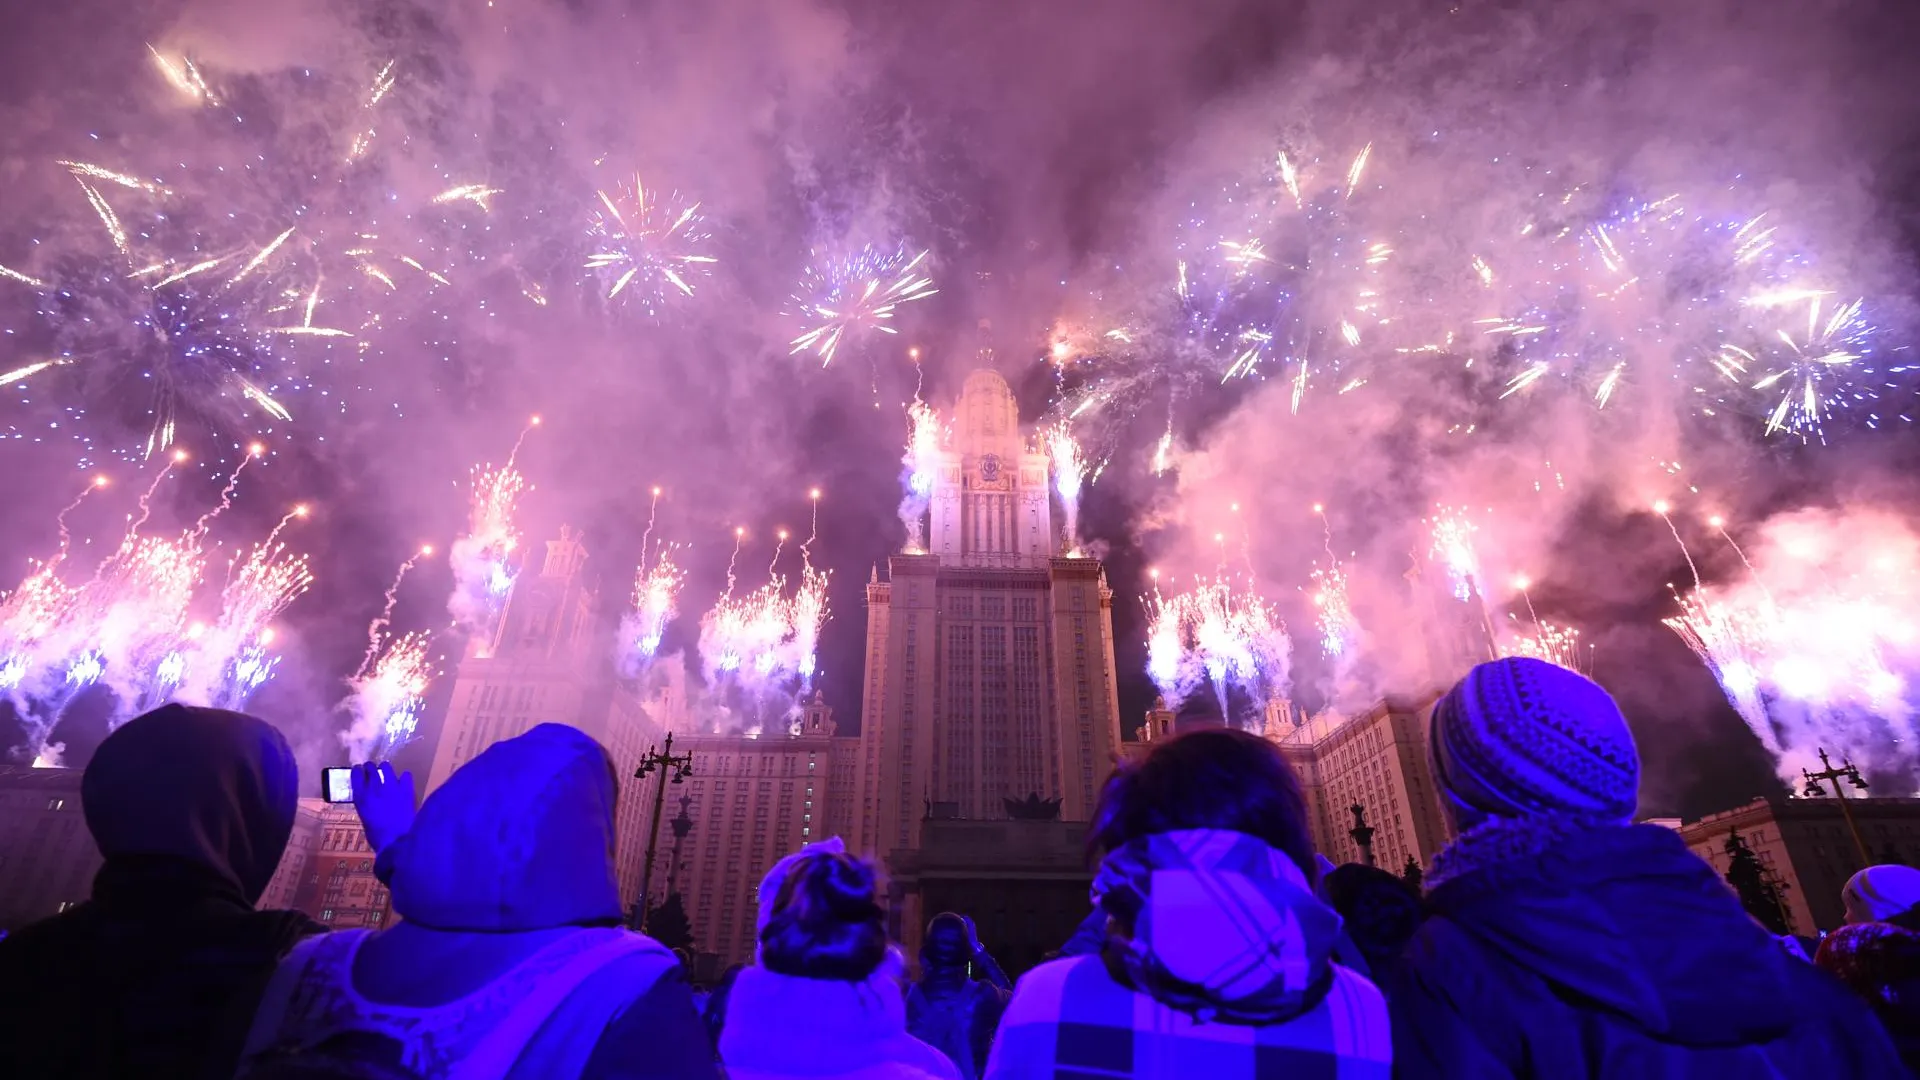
1552	938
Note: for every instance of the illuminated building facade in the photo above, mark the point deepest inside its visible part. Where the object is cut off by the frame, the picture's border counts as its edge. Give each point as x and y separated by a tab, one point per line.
752	799
1376	760
989	663
337	886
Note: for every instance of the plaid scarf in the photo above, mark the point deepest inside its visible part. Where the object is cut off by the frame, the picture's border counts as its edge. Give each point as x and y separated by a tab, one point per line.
1223	926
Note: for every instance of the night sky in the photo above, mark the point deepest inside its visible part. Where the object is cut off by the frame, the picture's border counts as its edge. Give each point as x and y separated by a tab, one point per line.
1061	163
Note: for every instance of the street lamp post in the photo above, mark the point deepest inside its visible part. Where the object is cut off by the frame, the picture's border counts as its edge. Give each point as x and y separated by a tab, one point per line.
1849	772
666	762
1362	833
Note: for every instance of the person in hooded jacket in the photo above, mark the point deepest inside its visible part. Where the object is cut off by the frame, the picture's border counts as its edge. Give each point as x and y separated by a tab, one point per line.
1379	912
949	1008
510	959
1217	962
823	996
1877	954
156	974
1562	941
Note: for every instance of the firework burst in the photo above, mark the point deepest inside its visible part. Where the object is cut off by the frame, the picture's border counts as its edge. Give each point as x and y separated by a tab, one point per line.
387	699
1069	475
1216	635
837	299
656	595
922	466
1554	644
648	247
483	560
1285	271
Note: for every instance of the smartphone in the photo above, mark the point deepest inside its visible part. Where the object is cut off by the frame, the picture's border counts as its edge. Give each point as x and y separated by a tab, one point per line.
336	784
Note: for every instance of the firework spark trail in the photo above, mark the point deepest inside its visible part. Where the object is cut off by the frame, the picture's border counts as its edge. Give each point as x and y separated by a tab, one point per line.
482	560
1662	507
1338	630
656	594
733	562
1819	647
1069	473
780	544
1554	644
646	538
377	629
809	617
60	522
144	509
1452	547
479	195
741	637
922	461
387	701
813	529
1225	638
837	298
200	527
226	662
648	246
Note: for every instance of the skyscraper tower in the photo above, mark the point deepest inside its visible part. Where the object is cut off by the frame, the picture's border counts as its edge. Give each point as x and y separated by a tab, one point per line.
990	671
548	660
1454	621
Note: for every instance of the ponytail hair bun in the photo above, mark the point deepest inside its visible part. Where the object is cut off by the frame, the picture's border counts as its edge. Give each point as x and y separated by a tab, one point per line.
826	921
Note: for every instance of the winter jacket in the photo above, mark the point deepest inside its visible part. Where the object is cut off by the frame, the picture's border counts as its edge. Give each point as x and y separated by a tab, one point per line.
1563	949
502	883
784	1027
958	1016
1880	963
1218	966
156	974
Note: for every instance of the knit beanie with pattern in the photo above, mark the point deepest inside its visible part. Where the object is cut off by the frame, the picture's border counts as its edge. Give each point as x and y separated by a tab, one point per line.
1520	737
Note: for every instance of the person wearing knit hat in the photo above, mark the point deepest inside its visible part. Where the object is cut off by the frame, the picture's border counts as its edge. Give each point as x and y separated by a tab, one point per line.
1885	893
1522	736
1562	940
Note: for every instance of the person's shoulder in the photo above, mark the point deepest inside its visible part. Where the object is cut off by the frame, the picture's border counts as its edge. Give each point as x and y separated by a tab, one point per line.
1076	988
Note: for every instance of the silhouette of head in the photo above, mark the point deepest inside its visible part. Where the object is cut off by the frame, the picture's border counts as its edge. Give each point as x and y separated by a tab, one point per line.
823	919
1210	778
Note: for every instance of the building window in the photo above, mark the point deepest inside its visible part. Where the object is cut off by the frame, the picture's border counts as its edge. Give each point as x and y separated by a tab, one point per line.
326	914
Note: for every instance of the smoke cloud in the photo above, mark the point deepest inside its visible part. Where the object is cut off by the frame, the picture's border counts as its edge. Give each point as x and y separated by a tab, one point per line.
1520	303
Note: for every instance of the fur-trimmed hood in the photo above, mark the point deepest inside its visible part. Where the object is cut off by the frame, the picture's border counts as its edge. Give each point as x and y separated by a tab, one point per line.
1622	917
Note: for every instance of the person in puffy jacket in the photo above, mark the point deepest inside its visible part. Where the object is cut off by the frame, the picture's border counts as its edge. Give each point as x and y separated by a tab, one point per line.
510	959
1217	961
1562	941
823	996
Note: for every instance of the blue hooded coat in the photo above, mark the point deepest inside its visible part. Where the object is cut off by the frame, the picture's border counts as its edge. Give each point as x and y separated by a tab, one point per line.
1561	949
509	863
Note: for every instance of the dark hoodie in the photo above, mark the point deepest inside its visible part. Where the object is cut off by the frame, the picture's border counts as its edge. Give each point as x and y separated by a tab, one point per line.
157	974
514	853
1563	950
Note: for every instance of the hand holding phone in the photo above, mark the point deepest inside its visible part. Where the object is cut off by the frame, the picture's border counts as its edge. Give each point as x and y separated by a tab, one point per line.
384	801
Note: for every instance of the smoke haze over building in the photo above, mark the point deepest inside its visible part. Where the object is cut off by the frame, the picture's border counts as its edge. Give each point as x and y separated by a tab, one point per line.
1461	175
